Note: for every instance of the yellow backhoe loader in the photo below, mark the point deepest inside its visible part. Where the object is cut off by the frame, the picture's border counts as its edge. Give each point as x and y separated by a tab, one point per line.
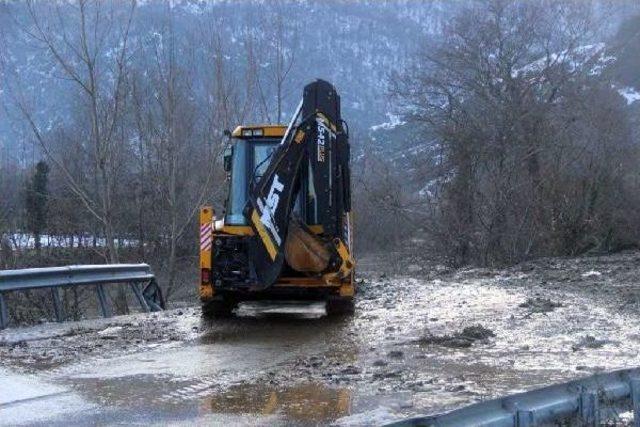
285	232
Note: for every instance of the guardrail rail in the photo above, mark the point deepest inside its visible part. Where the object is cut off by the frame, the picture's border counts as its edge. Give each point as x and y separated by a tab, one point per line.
589	401
150	298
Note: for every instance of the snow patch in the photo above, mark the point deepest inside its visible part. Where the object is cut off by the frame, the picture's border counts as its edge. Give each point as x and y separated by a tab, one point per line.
574	59
27	241
630	94
394	121
591	273
428	189
110	332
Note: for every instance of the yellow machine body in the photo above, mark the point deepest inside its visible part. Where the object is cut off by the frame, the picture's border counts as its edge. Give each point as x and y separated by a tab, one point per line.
304	253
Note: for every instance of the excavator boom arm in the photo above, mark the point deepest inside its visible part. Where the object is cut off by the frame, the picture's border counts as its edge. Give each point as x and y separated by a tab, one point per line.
316	137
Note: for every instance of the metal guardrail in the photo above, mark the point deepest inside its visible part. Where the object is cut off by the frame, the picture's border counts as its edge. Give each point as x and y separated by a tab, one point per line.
150	298
584	402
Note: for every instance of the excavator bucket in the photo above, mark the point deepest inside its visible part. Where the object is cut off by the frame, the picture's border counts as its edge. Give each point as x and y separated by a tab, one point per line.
304	251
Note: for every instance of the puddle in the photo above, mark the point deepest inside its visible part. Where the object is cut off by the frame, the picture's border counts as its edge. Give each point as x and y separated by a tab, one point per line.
304	403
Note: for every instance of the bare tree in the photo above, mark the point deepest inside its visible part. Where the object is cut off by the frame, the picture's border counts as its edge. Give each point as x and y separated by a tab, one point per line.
88	43
174	132
278	55
506	92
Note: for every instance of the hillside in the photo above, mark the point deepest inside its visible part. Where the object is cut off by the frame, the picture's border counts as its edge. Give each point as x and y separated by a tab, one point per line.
354	45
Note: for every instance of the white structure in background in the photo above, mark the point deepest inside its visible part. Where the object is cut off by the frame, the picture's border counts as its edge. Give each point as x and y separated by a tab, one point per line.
27	241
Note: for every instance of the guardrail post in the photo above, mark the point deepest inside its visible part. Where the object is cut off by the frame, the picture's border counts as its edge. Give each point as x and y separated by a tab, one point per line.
589	410
634	384
102	299
4	318
58	309
525	418
140	298
153	296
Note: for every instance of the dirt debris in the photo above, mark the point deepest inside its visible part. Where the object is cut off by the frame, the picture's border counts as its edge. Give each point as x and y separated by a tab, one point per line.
589	342
540	305
464	339
477	332
58	344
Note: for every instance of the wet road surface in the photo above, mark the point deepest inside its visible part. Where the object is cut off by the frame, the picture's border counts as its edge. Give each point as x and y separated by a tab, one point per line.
404	353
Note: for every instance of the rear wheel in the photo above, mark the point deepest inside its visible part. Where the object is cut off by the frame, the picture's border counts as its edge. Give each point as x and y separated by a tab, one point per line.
340	306
219	307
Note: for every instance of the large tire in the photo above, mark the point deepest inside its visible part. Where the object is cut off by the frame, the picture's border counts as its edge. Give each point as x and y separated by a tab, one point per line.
219	308
340	306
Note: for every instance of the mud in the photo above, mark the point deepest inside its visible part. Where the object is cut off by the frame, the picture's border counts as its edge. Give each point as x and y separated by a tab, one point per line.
463	339
416	345
540	305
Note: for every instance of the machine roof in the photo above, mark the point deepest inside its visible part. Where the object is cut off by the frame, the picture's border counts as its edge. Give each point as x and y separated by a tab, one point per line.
267	131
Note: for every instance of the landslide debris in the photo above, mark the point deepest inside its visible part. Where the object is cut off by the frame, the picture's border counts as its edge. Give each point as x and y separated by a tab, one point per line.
463	339
540	305
588	341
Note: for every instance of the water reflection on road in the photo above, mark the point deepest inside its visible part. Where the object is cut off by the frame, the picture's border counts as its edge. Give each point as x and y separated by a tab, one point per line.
293	329
231	373
305	403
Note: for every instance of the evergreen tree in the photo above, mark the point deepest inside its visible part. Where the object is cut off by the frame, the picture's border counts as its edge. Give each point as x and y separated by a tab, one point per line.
36	203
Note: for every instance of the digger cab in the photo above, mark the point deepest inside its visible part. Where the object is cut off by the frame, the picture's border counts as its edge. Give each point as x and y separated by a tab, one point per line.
246	160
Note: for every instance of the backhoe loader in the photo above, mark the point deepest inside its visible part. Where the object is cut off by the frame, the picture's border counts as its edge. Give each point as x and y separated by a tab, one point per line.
285	232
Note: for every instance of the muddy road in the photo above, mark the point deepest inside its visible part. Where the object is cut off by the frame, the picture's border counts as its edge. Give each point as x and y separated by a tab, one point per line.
421	342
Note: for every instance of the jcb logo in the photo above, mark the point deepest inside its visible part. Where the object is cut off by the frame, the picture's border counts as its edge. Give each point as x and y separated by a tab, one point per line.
268	208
